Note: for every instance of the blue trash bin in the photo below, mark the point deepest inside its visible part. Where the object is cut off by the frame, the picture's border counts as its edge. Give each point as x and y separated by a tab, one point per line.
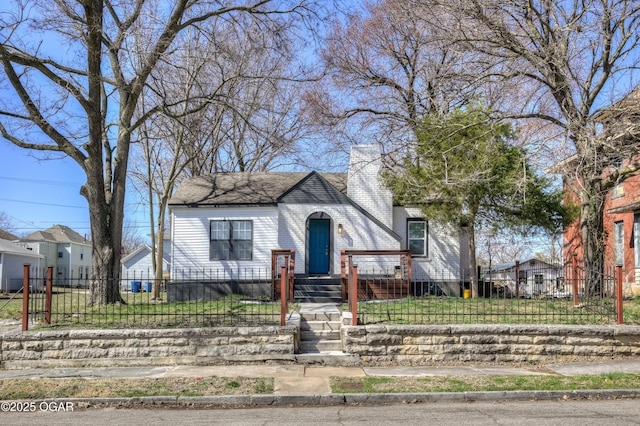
147	287
136	286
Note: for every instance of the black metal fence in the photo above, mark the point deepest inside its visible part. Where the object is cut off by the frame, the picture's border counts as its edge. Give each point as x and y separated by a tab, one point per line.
243	297
524	294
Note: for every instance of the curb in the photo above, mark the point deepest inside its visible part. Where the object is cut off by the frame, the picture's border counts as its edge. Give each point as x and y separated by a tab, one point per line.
231	401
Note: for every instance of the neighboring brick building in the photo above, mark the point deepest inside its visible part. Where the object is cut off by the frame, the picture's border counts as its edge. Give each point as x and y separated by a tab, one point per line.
621	218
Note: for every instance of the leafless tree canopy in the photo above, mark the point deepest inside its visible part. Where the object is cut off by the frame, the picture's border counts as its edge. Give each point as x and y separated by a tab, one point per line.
387	66
230	103
75	72
570	60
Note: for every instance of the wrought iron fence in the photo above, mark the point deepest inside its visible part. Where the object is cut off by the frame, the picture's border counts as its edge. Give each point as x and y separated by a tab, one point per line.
223	298
543	294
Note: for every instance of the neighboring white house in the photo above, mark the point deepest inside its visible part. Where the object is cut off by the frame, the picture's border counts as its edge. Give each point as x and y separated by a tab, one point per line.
138	265
231	222
68	252
535	278
12	261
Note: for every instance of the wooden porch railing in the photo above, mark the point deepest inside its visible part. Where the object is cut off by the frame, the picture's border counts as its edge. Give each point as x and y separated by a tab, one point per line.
347	264
289	264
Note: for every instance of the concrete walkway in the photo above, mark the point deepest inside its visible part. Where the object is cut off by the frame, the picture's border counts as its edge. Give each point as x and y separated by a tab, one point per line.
314	380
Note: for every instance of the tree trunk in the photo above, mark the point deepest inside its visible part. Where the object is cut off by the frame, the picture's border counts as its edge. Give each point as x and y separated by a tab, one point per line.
159	256
104	191
593	235
473	264
106	232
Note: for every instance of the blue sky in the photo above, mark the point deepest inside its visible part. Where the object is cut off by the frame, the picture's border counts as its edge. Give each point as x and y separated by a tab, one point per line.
37	194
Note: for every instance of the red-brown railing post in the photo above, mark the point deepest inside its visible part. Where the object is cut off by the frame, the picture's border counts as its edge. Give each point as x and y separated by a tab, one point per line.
619	302
343	276
291	267
25	298
517	279
283	296
353	294
274	272
48	295
574	267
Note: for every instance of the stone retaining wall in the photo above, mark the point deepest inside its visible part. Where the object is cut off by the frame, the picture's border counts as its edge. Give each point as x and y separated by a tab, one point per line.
417	344
372	344
149	347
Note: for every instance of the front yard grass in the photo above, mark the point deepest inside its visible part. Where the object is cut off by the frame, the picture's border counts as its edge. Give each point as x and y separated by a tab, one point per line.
482	383
41	388
455	310
69	310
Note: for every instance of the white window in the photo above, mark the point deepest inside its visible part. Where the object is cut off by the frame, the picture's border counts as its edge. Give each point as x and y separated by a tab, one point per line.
618	243
417	232
231	240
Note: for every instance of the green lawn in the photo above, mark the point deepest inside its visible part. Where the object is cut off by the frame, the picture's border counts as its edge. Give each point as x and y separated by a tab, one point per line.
70	310
455	310
482	383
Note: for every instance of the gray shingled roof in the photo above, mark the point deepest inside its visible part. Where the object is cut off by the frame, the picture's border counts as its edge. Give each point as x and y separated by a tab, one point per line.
58	233
6	235
8	247
256	188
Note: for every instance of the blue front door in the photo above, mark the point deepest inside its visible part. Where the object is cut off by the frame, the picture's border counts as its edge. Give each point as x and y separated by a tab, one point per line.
319	246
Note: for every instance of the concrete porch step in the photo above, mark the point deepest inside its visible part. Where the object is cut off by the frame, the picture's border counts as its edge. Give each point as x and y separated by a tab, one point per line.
320	328
320	346
333	316
311	335
317	299
320	325
318	290
328	358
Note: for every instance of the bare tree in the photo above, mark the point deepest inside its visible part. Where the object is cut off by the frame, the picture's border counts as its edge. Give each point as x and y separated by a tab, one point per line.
7	224
131	238
388	65
81	101
229	105
570	60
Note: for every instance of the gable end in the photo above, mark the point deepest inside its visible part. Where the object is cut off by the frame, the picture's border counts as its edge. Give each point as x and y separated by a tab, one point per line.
313	189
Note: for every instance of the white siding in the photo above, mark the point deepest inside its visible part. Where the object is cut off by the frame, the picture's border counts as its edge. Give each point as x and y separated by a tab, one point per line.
365	185
445	243
139	267
548	279
360	233
190	240
12	270
76	257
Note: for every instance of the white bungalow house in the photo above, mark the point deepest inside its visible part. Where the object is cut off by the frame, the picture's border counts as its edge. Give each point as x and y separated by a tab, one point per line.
232	222
13	258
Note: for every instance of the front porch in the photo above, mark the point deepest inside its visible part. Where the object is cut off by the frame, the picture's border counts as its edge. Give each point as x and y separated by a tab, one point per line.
393	283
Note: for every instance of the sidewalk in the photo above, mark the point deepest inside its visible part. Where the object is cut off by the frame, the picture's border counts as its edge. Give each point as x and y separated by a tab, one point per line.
301	384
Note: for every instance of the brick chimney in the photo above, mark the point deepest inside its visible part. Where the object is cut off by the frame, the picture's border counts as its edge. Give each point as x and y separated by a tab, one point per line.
364	185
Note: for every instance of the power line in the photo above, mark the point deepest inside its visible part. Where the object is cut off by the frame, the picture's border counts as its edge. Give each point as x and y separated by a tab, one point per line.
42	204
42	181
